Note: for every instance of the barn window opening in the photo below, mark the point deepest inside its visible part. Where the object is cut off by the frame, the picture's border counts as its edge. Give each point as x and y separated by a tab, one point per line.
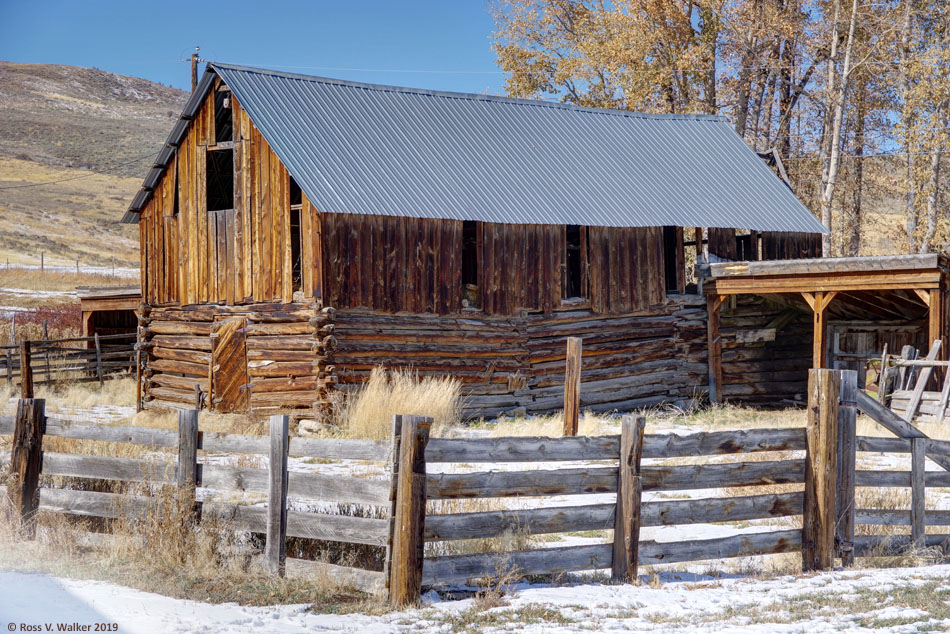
220	179
296	205
470	263
175	203
223	117
572	270
674	259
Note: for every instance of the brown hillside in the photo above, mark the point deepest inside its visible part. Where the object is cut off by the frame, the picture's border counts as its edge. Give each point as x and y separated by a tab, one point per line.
94	128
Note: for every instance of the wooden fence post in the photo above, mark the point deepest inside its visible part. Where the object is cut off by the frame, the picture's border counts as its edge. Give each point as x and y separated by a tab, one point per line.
629	490
918	491
188	476
821	458
26	461
275	550
98	359
572	385
26	370
847	441
405	584
394	475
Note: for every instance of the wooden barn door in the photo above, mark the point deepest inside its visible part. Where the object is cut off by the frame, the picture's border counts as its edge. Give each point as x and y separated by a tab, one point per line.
229	391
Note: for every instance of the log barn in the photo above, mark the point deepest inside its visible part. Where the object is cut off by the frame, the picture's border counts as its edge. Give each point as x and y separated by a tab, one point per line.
298	231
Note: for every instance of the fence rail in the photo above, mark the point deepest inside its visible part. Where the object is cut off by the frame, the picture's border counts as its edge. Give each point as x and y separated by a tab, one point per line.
420	509
78	359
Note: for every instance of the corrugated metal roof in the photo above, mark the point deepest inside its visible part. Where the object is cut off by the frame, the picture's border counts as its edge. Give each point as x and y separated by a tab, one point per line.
370	149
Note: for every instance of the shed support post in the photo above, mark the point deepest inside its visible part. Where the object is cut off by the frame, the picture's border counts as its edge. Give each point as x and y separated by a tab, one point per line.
405	571
821	468
847	442
818	303
629	491
714	347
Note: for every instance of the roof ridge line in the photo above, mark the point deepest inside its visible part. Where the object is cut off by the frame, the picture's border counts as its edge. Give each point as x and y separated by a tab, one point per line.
686	116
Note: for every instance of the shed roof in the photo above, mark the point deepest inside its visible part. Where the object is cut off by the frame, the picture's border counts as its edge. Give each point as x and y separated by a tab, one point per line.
372	149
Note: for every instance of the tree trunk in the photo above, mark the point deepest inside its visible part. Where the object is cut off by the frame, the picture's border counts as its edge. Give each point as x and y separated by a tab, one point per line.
907	116
854	226
933	196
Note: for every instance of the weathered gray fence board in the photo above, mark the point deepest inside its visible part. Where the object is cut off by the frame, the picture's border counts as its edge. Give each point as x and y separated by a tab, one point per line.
899	478
523	449
313	486
459	568
107	468
559	519
872	545
369	581
721	548
338	528
92	503
890	517
151	436
731	509
723	442
329	448
487	484
711	476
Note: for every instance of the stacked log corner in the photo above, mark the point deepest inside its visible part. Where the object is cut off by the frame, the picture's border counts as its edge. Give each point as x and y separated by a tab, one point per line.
323	369
408	542
821	468
26	461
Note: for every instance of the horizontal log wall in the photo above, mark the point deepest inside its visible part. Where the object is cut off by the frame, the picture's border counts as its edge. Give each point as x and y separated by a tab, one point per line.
766	351
286	347
631	360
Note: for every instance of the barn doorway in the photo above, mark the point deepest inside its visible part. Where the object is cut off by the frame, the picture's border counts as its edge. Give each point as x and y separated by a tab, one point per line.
229	390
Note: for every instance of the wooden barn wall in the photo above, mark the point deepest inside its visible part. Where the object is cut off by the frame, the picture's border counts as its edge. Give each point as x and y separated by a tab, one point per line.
234	256
520	266
766	351
505	363
392	264
626	271
722	243
790	245
279	344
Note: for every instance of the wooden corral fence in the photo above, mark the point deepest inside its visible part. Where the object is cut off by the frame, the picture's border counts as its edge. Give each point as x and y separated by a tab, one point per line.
78	359
416	502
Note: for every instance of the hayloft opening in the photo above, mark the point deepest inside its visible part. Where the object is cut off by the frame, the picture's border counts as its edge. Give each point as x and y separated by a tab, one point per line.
220	179
671	259
296	205
470	262
223	117
175	203
572	271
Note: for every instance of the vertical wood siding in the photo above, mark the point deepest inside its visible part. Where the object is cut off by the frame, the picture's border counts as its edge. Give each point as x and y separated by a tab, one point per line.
234	256
626	268
790	245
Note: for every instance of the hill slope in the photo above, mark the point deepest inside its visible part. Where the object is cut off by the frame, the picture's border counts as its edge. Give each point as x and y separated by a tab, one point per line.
95	132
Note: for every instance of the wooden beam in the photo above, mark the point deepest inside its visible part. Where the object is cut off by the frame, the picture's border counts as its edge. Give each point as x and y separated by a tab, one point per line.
847	444
572	386
922	381
821	469
809	299
714	347
405	582
275	549
629	491
923	295
26	461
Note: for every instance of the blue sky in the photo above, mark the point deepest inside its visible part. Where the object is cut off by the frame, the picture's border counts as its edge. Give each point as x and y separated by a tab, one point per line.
145	39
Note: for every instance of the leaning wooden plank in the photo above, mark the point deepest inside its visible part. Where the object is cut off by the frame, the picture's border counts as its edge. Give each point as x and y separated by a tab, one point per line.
521	483
886	545
922	381
898	426
314	486
151	436
731	509
723	442
338	528
460	568
770	543
529	521
369	581
107	468
711	476
523	449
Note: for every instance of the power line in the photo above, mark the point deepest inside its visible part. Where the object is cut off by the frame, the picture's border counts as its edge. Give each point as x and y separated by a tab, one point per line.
76	178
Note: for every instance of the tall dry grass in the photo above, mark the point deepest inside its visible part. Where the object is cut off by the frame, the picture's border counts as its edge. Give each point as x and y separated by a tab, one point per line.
368	412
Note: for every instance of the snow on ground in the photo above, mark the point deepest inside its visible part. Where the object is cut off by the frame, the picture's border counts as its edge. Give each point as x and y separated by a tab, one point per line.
852	601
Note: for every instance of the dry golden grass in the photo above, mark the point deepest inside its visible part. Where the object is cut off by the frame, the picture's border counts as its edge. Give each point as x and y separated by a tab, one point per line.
57	280
552	425
368	412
